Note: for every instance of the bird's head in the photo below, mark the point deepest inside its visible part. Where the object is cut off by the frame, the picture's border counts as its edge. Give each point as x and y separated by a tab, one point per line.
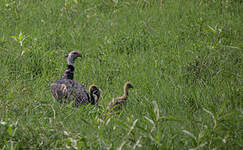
72	56
95	92
128	85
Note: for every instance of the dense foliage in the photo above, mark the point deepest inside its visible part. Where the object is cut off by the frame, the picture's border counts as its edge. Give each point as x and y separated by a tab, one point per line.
183	57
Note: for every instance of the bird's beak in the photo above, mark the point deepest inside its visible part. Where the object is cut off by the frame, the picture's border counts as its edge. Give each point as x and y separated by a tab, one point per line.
79	55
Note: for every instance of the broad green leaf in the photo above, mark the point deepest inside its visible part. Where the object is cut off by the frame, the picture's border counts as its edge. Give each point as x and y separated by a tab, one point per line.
211	114
10	131
21	36
156	110
212	30
190	134
15	38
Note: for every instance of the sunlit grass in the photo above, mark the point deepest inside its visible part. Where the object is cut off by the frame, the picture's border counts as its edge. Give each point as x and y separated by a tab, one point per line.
184	59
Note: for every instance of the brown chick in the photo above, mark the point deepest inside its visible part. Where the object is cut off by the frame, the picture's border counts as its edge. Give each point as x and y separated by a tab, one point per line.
95	94
117	103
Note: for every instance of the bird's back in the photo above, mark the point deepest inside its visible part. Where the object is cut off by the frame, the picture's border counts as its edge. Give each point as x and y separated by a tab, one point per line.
81	94
62	89
69	89
117	102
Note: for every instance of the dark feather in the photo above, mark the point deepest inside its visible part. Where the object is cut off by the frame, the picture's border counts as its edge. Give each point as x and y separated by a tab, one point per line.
68	90
69	73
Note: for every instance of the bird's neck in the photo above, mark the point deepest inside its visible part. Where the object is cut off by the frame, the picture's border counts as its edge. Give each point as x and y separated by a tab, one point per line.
69	72
70	60
93	99
125	92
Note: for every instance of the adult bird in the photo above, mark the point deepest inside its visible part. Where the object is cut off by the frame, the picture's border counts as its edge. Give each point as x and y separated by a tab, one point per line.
117	103
68	89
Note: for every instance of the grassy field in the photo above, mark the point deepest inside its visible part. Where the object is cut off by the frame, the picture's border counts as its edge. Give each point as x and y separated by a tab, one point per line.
183	57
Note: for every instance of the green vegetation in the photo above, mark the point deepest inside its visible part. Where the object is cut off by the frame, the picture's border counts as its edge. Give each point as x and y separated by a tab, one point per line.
183	57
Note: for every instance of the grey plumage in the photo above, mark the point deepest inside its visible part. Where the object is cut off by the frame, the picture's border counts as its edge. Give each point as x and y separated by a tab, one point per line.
66	89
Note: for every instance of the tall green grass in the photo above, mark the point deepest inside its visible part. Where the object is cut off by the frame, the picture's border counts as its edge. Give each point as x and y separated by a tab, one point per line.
184	59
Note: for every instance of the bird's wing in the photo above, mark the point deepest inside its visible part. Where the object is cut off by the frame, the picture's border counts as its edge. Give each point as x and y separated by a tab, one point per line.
61	88
81	94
